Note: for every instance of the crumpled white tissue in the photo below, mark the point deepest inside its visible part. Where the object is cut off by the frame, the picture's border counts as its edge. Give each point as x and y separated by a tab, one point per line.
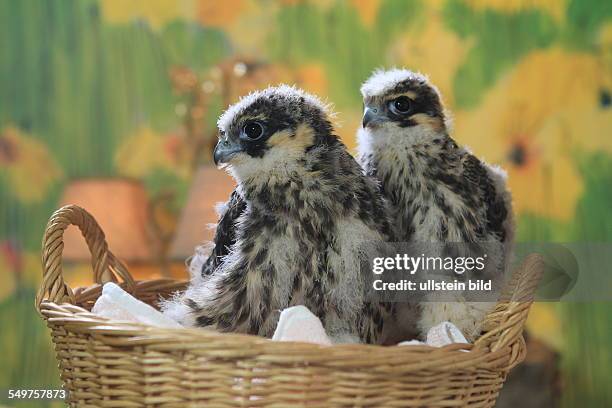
444	334
438	336
117	304
297	323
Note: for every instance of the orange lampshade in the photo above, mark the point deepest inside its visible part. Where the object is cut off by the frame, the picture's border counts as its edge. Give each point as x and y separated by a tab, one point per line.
121	208
210	186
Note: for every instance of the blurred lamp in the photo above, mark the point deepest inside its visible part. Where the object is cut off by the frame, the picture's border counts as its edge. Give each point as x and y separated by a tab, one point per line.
121	208
210	187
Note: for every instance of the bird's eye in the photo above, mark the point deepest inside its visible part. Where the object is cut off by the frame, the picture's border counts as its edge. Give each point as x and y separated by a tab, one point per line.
253	130
400	105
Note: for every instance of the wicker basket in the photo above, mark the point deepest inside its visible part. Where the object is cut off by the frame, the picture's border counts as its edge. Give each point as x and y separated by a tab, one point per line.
110	364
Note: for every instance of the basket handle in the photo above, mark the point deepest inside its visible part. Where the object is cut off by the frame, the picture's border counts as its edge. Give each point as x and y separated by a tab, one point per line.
105	265
504	324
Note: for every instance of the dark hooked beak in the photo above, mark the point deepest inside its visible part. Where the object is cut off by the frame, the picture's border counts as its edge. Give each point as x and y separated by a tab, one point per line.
225	150
370	115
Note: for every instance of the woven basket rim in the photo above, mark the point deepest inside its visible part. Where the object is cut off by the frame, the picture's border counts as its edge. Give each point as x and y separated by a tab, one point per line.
376	358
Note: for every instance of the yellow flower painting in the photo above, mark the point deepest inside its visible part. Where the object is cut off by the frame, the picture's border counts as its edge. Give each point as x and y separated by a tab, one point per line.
144	151
27	164
156	12
530	123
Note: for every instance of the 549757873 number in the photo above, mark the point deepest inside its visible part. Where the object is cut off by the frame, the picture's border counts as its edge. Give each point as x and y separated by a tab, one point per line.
36	394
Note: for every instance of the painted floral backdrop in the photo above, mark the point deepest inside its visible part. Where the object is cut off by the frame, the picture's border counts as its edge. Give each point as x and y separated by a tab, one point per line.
129	90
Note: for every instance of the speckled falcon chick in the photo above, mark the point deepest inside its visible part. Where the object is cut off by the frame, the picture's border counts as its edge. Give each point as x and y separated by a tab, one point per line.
438	191
300	213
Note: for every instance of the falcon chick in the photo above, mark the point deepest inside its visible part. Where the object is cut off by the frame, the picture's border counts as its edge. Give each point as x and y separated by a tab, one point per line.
301	211
437	190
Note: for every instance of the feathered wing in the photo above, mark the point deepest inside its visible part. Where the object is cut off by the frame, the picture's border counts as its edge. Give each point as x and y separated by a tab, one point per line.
495	195
225	234
499	178
203	265
498	228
